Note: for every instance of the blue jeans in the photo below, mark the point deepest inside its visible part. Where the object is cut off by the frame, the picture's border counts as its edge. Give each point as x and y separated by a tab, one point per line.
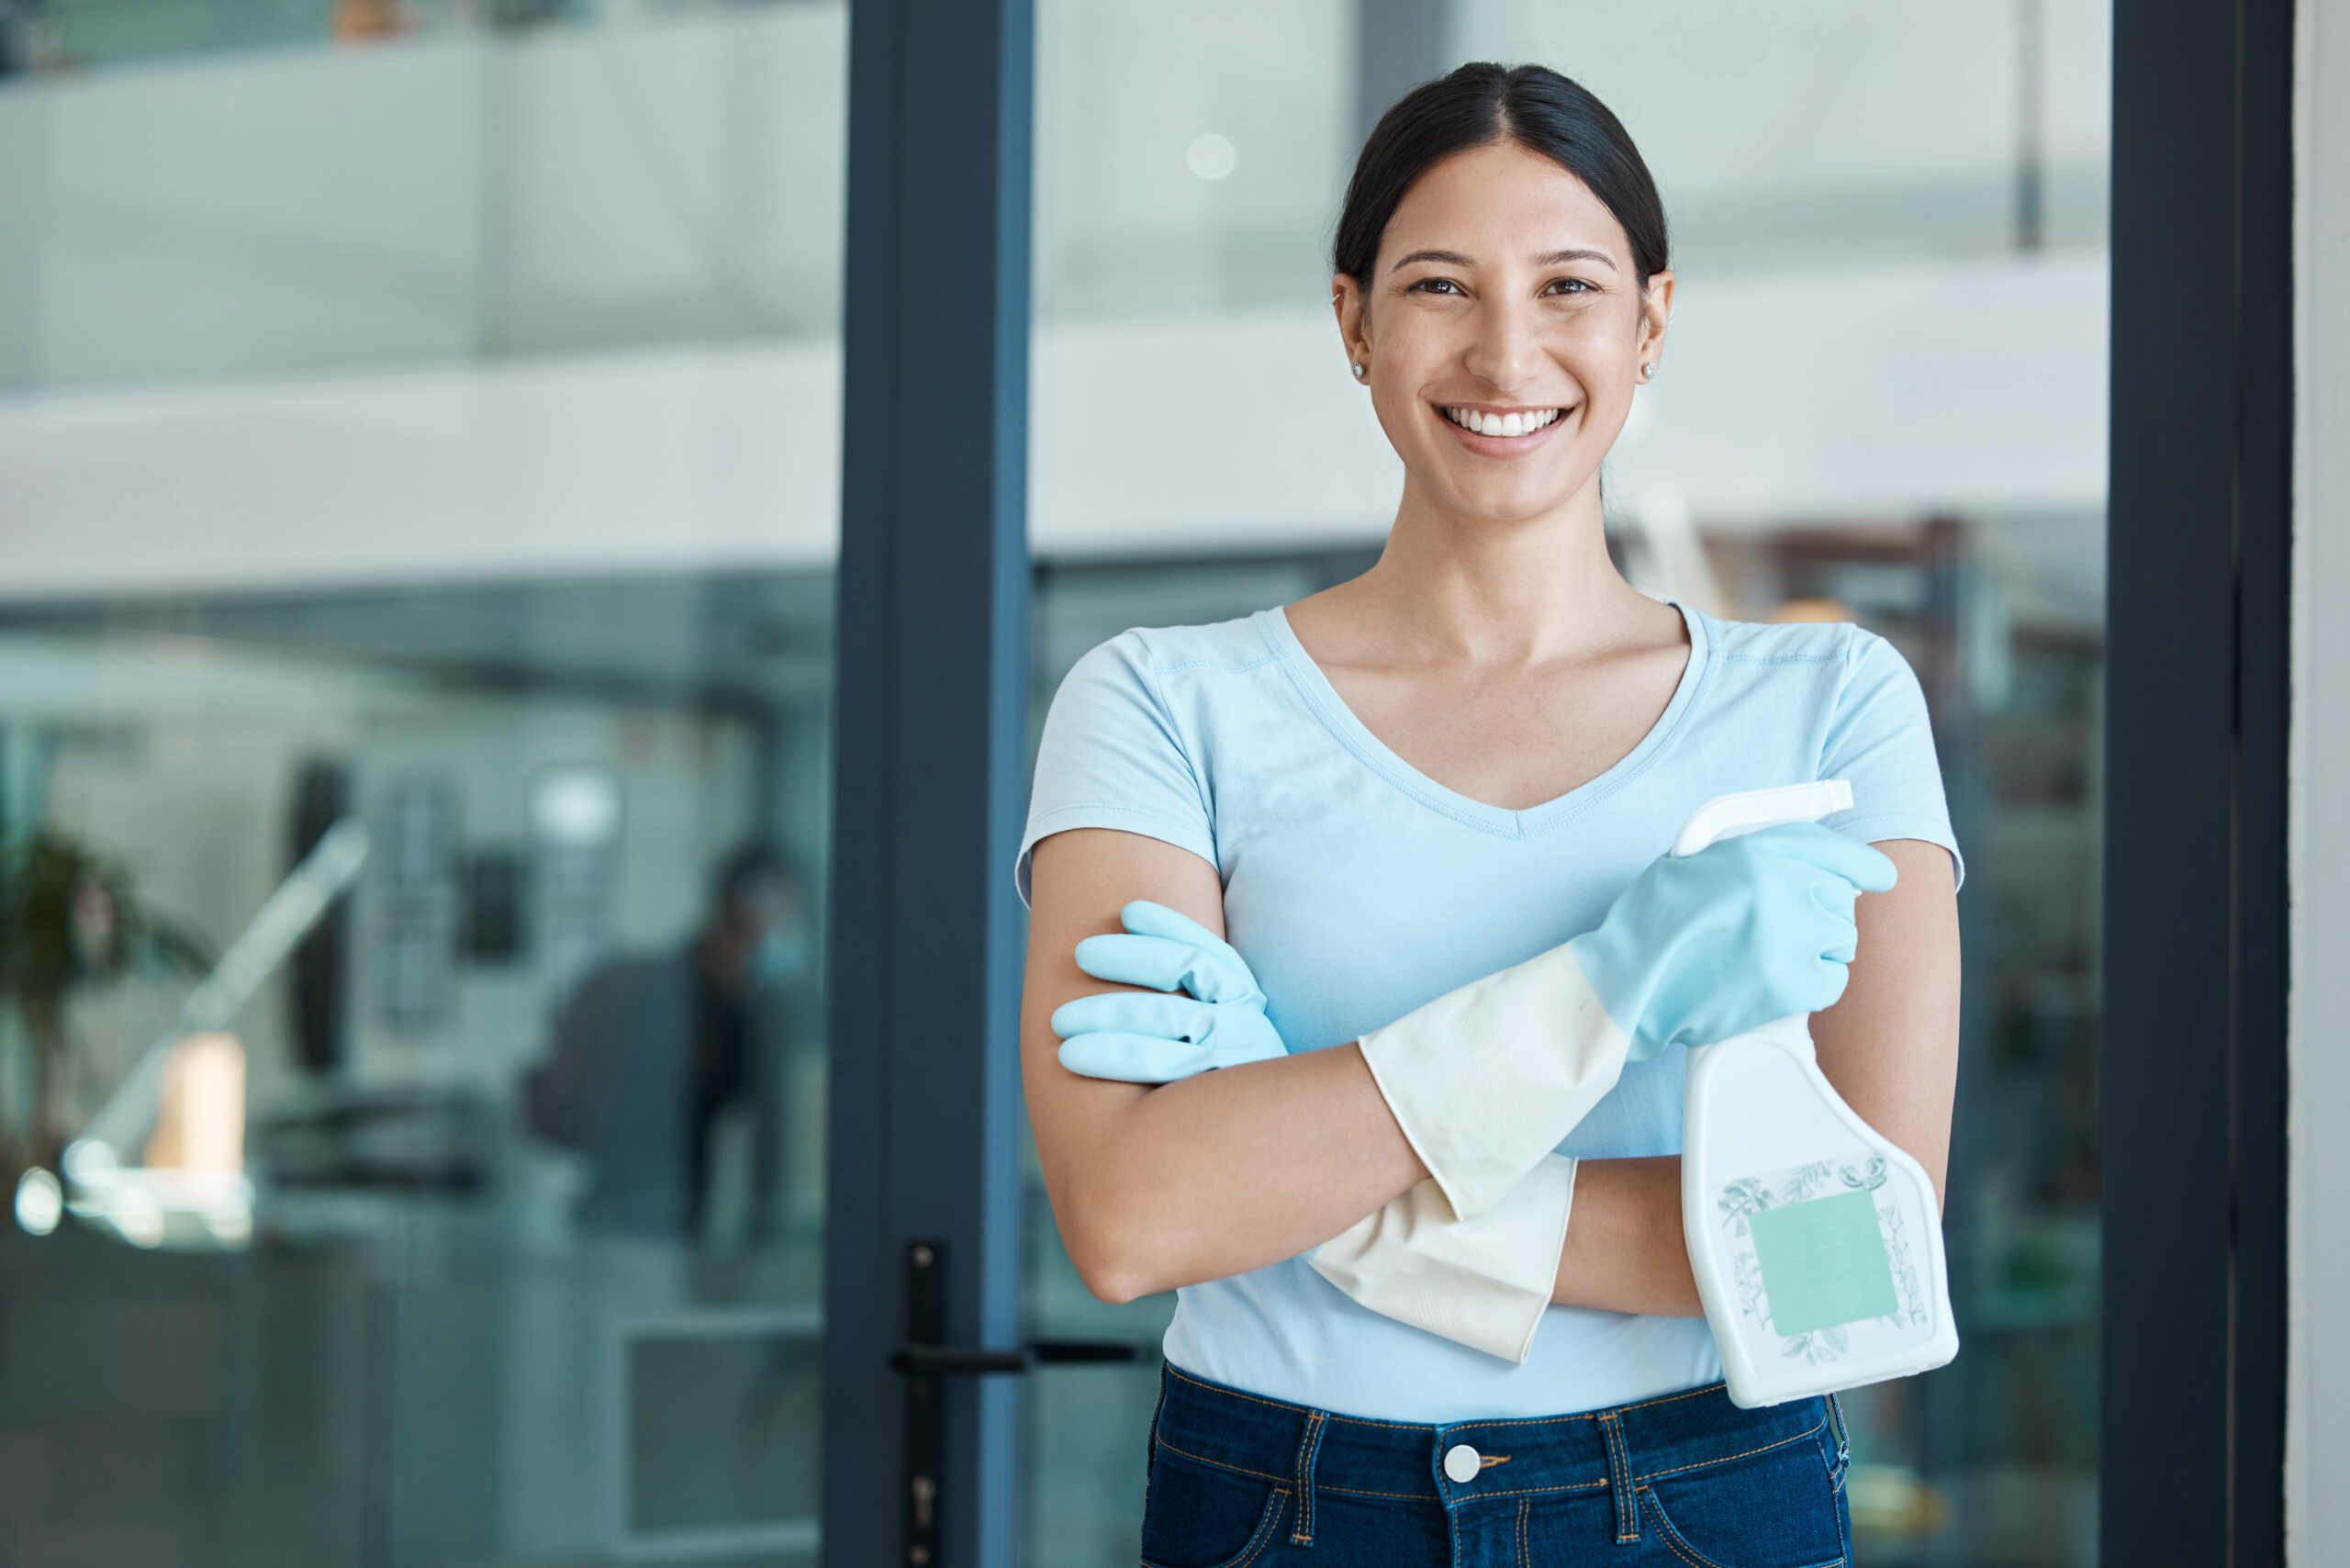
1685	1480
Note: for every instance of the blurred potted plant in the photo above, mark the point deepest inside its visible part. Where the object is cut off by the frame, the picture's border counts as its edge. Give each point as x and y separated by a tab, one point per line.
70	918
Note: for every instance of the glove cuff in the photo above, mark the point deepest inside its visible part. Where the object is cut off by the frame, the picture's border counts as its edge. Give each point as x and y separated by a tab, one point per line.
1485	1081
1483	1283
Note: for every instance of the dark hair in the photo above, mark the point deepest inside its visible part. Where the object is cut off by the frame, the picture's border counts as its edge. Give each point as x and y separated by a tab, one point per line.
745	876
1475	107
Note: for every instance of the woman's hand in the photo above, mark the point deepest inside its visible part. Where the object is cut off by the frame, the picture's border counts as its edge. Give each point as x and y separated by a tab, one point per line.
1702	947
1137	1038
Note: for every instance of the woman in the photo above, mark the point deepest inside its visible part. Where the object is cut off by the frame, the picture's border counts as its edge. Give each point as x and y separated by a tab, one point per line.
1454	776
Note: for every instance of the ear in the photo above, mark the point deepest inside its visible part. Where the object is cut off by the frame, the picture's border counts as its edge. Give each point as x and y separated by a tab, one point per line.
1656	315
1354	321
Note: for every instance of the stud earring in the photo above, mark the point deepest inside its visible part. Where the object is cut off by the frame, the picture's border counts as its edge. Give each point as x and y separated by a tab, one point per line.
1361	370
1648	371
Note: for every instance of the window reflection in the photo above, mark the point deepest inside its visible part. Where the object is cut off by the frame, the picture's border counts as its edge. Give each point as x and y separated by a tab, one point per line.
527	1124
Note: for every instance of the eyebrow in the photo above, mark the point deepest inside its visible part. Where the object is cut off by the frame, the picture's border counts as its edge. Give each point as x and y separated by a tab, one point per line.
1454	258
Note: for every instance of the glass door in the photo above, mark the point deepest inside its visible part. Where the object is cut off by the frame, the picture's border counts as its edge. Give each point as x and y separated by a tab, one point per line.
1883	401
415	663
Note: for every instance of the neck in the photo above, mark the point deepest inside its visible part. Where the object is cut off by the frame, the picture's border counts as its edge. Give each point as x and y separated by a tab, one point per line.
1456	587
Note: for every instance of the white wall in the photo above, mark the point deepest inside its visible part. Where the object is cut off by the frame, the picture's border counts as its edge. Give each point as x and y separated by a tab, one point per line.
1173	433
2318	1418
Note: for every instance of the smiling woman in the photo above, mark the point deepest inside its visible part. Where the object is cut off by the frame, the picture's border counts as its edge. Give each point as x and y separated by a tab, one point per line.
1391	861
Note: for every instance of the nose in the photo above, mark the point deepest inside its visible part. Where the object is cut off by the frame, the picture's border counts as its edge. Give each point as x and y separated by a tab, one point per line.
1504	351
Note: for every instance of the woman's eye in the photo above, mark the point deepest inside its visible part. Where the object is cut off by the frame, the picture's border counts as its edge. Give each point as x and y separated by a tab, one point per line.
1435	285
1569	285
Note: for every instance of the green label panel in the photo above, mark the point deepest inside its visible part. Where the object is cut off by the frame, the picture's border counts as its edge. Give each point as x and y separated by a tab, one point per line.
1823	1262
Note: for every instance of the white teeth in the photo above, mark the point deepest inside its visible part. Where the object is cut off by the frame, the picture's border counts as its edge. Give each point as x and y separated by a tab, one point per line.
1502	424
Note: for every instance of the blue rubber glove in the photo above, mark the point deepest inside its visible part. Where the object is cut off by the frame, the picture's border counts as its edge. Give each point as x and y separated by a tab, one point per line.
1701	948
1157	1039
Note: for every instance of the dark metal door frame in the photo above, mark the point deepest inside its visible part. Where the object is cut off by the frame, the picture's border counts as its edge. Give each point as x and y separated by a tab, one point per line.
932	750
2198	590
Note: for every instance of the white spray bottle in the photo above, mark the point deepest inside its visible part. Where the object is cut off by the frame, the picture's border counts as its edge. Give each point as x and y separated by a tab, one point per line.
1817	1244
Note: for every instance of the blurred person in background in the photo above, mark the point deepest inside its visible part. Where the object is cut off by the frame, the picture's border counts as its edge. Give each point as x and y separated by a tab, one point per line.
653	1054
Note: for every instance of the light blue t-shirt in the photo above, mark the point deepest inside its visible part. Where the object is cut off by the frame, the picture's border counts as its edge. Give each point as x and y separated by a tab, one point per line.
1358	889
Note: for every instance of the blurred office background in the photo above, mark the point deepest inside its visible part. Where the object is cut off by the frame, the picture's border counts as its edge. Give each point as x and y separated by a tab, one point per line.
422	416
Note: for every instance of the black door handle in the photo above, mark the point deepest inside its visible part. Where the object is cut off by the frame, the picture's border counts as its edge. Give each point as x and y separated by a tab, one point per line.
925	1362
968	1361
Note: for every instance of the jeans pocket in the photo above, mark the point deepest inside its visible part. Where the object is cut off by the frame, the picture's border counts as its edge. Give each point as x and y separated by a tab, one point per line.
1201	1517
1777	1510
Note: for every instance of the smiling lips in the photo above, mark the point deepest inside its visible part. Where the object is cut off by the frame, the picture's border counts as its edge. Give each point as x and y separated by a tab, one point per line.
1518	422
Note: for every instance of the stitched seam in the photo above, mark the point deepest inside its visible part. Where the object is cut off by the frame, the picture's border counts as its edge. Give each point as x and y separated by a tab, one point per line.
1400	1496
1725	1459
1174	1370
1783	660
1526	1421
1190	665
1236	1469
1308	1448
1175	734
1670	1398
1620	1474
1269	1525
1265	1532
1480	1494
1671	1536
1524	1509
1681	1548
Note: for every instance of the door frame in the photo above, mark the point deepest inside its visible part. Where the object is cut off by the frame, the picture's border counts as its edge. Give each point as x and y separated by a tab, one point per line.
930	778
2199	594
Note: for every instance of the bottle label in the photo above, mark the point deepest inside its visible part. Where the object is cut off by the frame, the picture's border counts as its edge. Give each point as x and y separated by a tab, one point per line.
1823	1262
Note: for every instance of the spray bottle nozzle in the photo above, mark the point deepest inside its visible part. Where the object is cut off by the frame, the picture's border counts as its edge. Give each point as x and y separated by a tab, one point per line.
1726	816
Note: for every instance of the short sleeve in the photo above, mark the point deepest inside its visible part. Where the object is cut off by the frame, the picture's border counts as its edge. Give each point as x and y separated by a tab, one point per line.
1113	756
1881	739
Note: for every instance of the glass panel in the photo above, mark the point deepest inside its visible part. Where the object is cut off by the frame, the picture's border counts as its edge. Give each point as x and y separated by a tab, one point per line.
415	733
1883	401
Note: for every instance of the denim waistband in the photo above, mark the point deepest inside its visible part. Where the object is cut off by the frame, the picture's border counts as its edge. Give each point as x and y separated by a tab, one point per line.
1623	1448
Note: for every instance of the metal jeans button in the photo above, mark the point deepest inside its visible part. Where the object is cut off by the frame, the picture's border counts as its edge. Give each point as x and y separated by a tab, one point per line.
1462	1463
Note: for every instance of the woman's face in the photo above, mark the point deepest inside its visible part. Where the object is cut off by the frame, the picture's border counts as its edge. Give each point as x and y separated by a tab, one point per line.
1504	290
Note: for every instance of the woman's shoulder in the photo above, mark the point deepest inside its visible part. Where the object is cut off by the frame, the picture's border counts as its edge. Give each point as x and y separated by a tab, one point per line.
1831	663
1792	642
1156	655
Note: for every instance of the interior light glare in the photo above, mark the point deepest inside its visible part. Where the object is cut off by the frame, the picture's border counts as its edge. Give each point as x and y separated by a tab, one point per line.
577	806
41	1201
1212	157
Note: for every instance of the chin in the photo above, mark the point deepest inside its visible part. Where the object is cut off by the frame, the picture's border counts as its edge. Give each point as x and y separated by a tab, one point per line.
1513	503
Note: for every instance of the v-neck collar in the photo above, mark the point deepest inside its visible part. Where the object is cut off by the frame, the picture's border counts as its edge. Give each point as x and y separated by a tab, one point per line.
1373	753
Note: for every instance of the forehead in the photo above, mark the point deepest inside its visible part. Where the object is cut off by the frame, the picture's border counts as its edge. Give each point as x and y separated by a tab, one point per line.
1497	203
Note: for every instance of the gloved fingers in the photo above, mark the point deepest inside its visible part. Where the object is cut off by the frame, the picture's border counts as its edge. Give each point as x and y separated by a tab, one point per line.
1135	1012
1835	897
1134	1058
1168	964
1866	867
1145	918
1843	944
1832	978
1220	968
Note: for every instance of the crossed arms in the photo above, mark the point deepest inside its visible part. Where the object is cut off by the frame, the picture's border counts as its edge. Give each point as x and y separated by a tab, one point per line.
1235	1169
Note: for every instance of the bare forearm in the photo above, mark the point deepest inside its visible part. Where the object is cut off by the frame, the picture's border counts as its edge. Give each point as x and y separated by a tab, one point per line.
1225	1172
1624	1251
1204	1177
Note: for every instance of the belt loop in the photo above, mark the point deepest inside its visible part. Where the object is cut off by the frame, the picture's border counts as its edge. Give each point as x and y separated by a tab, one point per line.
1309	1448
1620	1478
1843	1437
